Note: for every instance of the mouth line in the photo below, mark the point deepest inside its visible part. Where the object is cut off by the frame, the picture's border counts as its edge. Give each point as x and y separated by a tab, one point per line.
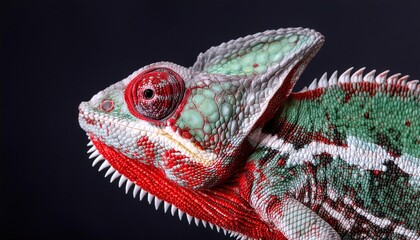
151	199
190	151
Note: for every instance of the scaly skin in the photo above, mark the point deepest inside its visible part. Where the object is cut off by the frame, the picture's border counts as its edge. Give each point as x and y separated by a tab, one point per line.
226	143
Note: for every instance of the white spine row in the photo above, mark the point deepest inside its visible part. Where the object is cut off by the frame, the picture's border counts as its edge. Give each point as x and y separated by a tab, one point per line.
358	76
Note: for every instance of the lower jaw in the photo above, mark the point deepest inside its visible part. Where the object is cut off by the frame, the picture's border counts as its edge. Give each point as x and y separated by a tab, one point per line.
219	208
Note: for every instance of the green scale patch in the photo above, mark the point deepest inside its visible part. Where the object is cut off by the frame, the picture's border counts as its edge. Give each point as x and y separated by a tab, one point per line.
386	119
256	59
385	195
208	111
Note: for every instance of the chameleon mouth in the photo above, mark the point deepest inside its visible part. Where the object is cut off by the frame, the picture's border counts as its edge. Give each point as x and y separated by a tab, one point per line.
99	122
96	150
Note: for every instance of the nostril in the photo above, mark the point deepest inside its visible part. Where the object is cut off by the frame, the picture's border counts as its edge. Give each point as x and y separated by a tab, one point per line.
107	105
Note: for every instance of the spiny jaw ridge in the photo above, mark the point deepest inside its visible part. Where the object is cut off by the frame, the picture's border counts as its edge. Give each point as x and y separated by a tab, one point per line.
94	154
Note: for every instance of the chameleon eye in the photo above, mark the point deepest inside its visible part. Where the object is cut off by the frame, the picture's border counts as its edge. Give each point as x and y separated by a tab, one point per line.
154	94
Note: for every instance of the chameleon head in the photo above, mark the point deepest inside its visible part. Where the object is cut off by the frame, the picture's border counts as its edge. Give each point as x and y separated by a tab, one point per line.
190	125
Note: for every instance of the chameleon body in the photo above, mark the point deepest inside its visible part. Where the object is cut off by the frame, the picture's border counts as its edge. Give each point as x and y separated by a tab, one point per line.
228	145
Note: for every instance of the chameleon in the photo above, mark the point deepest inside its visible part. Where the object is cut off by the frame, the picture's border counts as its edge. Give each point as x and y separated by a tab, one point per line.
227	143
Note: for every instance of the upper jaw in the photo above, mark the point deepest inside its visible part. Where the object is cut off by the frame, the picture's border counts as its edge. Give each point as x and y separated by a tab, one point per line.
130	132
88	119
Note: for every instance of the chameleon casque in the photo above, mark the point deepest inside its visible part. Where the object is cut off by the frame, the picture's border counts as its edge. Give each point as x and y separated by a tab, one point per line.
227	143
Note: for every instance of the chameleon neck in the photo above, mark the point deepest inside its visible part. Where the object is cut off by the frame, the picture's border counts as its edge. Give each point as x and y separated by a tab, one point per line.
316	151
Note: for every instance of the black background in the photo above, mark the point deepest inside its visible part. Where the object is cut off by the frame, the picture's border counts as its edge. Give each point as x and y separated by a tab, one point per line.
55	54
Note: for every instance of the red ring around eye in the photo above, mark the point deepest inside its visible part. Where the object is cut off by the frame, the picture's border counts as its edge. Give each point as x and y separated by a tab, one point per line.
107	105
154	94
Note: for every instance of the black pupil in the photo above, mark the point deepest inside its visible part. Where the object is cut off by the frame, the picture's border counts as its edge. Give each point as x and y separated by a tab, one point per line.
148	93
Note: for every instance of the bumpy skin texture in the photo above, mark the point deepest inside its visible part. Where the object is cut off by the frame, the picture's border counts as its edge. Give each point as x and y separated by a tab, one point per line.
226	143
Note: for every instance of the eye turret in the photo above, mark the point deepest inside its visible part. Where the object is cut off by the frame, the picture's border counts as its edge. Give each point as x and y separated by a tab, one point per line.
154	94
